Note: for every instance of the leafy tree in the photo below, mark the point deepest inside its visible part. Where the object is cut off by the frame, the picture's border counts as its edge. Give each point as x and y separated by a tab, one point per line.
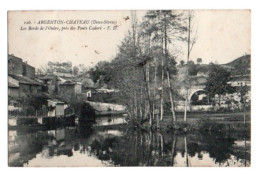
102	72
193	69
75	70
39	71
167	26
217	81
199	60
144	66
182	62
33	101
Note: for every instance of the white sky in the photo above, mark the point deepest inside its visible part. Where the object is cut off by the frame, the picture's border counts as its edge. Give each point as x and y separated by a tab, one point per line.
223	35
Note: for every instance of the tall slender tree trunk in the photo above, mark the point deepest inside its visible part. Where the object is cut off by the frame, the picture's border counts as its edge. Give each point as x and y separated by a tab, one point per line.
187	71
154	91
147	97
186	105
162	86
134	29
148	80
171	98
135	104
168	74
155	115
141	99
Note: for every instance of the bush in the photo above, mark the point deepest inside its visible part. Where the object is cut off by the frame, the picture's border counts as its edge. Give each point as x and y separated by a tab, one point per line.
208	125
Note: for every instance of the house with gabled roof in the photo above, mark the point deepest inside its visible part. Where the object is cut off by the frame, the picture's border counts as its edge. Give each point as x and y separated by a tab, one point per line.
20	86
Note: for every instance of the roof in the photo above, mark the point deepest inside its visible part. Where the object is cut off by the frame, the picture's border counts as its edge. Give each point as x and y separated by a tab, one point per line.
55	101
12	85
64	79
46	77
25	80
68	83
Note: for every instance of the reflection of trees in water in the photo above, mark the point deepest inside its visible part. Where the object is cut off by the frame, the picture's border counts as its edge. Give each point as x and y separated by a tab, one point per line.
135	147
219	146
160	149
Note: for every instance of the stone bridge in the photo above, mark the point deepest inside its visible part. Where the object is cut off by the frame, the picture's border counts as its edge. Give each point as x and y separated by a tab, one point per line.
195	89
192	90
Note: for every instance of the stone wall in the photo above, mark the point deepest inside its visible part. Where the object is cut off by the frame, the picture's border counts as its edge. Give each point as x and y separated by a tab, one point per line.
25	89
66	89
15	65
28	70
13	92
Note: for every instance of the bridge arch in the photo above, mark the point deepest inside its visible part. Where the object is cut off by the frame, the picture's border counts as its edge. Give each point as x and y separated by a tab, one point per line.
194	91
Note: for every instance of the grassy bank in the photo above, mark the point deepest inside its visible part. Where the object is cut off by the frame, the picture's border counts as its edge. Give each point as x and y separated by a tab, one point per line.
219	122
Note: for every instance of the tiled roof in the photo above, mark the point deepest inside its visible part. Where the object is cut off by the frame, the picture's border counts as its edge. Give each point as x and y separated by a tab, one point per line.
68	83
66	79
12	85
25	80
46	77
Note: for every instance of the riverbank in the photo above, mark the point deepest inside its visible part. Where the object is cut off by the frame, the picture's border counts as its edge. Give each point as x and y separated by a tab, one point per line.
39	123
217	122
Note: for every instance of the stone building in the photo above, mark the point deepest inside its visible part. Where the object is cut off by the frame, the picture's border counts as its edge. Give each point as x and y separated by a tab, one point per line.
70	88
50	83
25	86
16	66
56	108
13	87
21	78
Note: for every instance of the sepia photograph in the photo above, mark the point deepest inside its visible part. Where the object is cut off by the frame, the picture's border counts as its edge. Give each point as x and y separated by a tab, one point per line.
129	88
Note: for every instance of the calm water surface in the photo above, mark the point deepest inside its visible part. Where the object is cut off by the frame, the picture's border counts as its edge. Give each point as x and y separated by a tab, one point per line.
76	146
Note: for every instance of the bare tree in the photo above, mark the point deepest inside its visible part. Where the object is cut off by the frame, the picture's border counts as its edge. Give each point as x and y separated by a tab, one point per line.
190	43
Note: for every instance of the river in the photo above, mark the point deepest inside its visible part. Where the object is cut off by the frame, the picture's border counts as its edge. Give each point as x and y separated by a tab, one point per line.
122	146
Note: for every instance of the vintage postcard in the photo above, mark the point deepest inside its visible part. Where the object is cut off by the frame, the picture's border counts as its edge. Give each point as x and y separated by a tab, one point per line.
129	88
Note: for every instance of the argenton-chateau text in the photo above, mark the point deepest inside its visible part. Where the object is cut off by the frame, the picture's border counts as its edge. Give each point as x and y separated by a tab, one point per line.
76	22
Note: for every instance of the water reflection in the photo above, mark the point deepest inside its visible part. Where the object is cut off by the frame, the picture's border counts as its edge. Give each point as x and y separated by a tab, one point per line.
75	146
109	120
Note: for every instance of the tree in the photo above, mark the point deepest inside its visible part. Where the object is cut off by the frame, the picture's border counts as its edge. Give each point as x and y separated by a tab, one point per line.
39	71
192	68
168	25
35	101
82	68
199	61
102	72
75	70
182	62
144	67
217	82
190	43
